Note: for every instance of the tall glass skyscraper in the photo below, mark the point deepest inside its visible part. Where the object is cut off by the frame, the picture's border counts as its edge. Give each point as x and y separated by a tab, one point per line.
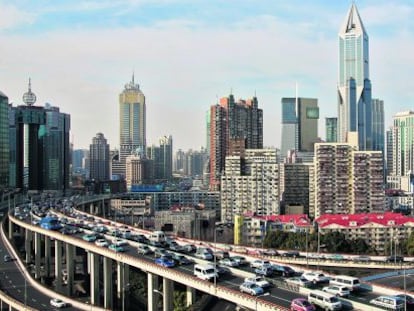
378	129
4	141
354	85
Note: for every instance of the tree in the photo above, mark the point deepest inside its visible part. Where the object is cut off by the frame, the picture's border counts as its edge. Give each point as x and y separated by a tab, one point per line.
410	245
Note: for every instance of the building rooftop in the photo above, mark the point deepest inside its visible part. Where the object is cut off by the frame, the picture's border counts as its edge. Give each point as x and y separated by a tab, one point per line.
358	220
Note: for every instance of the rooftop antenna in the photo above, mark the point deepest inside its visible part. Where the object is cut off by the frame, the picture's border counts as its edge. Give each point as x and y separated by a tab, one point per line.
133	76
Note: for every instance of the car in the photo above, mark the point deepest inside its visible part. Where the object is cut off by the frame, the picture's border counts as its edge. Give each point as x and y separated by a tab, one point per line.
297	280
339	291
228	262
258	280
181	260
258	263
388	302
221	270
315	277
221	254
361	259
392	259
284	271
301	304
293	254
144	250
240	260
189	248
270	252
116	248
102	242
7	258
89	237
264	271
120	242
165	262
251	288
158	252
409	300
57	303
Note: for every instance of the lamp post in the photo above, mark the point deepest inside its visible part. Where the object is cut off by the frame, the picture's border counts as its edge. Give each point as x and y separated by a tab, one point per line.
257	297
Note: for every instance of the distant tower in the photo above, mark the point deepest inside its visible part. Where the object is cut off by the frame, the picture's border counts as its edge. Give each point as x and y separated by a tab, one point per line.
99	158
331	128
354	85
132	122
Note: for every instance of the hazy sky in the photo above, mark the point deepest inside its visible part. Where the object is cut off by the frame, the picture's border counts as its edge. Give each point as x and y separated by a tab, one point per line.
186	53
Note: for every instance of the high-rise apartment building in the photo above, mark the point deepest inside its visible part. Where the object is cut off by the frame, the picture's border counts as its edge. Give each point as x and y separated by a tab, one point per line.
389	144
139	170
354	85
250	183
296	185
378	128
234	126
347	181
403	144
99	158
4	141
39	146
331	129
132	124
299	124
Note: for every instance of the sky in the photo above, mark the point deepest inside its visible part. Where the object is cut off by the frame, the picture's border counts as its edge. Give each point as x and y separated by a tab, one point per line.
186	54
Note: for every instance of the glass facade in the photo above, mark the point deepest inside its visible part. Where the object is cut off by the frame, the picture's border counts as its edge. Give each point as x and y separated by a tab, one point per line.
331	125
4	141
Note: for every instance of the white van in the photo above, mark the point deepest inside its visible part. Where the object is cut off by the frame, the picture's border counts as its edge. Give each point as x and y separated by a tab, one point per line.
205	272
324	300
157	236
343	280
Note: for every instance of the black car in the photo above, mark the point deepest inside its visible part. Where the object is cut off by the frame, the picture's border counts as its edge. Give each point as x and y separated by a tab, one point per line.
293	254
392	259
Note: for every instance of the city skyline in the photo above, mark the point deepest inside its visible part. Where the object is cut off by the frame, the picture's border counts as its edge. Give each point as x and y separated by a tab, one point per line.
79	56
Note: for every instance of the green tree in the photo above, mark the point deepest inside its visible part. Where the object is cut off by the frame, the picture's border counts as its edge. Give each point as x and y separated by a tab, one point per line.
410	245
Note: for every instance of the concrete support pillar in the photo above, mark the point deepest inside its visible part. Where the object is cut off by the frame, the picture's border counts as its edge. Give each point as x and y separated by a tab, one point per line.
91	209
28	246
190	296
47	256
37	255
122	285
168	294
58	265
152	297
70	267
107	271
94	277
120	282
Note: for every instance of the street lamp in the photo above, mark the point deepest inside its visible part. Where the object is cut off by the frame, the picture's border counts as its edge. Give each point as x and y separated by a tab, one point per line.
257	297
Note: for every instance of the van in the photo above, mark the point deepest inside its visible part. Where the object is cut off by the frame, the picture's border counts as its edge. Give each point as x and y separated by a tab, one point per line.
205	272
352	283
157	236
324	300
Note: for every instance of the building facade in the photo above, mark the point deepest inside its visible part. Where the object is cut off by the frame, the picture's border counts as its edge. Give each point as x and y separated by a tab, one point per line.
331	130
4	141
162	157
403	144
378	128
250	183
99	158
347	181
233	125
132	124
354	85
384	232
139	170
299	124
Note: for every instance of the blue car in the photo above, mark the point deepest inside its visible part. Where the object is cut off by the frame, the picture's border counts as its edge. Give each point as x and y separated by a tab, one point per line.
165	262
89	237
251	288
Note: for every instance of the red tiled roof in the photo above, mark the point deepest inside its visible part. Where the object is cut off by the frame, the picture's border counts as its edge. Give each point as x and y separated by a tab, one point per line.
356	220
296	219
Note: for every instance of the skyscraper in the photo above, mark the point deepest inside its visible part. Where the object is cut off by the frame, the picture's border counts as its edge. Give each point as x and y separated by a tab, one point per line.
162	157
234	126
331	127
4	141
132	123
99	158
403	144
299	124
39	146
378	129
354	85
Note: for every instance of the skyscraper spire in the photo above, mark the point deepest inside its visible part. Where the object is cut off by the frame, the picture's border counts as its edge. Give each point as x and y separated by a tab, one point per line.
133	74
29	98
353	21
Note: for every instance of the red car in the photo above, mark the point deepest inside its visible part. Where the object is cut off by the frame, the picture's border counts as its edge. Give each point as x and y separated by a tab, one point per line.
301	304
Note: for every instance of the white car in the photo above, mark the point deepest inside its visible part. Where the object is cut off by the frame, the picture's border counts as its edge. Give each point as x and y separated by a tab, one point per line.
120	242
340	291
228	262
315	277
251	288
258	280
297	280
57	303
102	242
258	263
